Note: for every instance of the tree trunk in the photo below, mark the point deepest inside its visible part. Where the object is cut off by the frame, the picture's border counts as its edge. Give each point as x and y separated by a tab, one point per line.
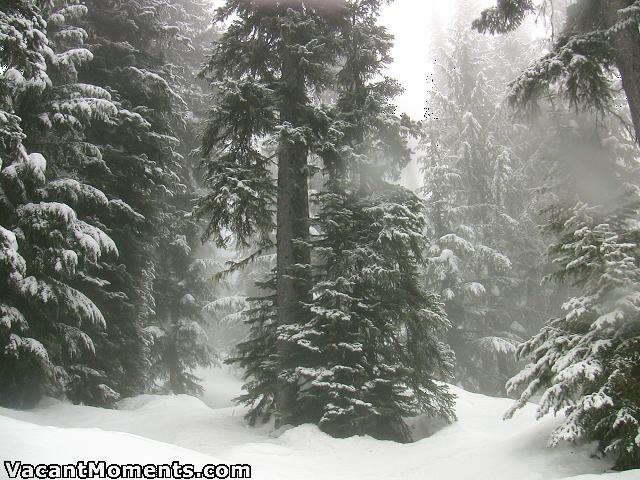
293	283
627	46
176	382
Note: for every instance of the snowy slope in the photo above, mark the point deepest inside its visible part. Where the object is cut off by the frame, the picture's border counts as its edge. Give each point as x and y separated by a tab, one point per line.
159	429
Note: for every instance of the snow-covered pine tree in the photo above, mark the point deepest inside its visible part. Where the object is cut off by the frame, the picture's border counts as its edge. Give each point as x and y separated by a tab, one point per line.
585	362
265	67
597	37
369	354
130	171
477	184
181	287
47	324
57	123
148	177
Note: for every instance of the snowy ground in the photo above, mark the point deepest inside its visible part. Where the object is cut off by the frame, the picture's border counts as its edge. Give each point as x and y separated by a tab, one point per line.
157	429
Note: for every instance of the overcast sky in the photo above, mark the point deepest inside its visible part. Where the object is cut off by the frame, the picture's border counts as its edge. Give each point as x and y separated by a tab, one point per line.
409	21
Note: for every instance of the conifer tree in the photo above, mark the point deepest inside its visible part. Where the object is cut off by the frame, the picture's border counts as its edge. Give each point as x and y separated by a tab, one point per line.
583	360
265	67
126	168
477	178
150	179
598	37
49	254
181	343
587	359
181	288
369	354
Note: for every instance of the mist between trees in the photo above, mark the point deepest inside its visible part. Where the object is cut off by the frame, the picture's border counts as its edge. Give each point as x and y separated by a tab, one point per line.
182	186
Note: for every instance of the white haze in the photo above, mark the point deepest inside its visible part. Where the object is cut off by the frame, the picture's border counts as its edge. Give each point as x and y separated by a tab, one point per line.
410	22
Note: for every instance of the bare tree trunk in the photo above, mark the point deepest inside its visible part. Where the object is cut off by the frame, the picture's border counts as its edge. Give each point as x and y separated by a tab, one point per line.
627	46
293	281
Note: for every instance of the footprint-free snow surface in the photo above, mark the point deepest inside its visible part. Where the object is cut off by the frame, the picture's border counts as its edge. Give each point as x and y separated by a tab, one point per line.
161	429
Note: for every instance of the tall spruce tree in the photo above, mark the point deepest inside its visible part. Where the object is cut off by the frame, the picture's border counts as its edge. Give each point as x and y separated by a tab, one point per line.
286	354
266	67
369	354
132	171
155	327
58	124
50	254
181	287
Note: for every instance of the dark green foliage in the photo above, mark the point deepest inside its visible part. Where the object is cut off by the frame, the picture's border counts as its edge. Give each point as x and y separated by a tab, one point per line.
145	151
597	38
370	355
251	91
181	287
240	170
265	69
367	332
50	324
180	342
580	66
505	17
93	94
258	355
138	157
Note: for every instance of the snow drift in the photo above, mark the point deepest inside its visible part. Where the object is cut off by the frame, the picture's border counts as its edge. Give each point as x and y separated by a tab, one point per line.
160	429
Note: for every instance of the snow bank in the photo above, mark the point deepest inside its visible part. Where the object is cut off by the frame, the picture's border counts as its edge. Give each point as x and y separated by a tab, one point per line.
631	475
155	429
39	444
